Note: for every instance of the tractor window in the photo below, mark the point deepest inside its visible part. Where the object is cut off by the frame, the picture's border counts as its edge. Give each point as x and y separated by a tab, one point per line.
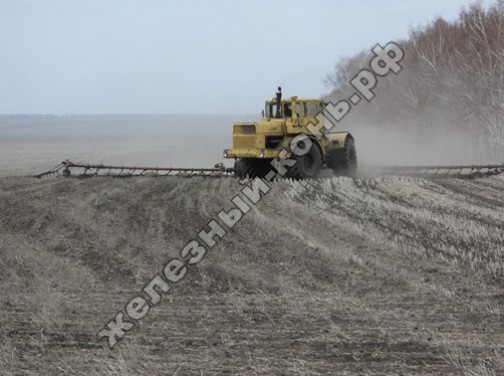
313	109
271	110
300	109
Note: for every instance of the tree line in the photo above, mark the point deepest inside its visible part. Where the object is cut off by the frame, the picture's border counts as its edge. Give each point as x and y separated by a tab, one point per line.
453	78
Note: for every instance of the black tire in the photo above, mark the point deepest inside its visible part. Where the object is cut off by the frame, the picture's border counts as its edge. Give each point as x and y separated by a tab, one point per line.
343	161
307	166
252	167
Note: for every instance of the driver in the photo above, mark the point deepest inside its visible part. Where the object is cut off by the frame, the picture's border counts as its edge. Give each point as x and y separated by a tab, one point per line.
287	111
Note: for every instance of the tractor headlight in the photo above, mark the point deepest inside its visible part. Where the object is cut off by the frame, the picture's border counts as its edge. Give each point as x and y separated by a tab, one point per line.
262	154
225	153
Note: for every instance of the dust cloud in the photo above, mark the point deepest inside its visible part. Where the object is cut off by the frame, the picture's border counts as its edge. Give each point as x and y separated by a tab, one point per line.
407	145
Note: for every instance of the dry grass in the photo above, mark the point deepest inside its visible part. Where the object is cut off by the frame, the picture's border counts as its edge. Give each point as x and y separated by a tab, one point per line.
367	276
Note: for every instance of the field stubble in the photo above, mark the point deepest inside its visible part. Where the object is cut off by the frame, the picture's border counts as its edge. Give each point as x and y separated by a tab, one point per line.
375	275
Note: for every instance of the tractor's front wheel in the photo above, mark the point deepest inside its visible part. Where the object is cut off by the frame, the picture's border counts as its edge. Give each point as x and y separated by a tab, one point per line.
252	167
307	166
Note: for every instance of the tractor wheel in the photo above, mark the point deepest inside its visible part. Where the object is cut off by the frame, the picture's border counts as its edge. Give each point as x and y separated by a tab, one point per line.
343	161
307	166
252	167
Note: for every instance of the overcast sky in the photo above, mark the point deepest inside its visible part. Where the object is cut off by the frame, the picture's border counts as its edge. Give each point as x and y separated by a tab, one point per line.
191	56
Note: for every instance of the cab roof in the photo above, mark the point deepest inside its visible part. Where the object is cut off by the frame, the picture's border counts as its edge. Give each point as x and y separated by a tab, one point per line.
273	101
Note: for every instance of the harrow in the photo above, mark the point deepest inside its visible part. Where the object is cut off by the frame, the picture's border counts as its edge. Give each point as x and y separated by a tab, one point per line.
65	168
467	171
68	168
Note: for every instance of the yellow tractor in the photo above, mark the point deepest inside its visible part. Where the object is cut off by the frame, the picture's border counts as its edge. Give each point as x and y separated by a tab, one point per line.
257	144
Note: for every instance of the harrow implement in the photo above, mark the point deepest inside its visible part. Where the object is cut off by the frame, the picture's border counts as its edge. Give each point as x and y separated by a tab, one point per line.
467	171
68	168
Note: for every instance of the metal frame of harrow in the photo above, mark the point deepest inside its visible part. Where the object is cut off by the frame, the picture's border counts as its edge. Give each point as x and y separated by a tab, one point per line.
467	171
65	168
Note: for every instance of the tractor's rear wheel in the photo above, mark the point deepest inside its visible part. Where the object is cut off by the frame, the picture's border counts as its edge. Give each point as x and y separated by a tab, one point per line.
343	161
252	167
307	166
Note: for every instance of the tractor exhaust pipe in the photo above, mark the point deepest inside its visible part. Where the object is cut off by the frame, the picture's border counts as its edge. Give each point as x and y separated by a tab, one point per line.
278	102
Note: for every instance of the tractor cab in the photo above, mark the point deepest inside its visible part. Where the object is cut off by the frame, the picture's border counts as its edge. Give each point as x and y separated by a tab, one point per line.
292	108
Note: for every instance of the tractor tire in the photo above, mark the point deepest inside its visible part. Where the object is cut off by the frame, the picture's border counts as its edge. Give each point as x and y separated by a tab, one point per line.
343	161
307	166
252	167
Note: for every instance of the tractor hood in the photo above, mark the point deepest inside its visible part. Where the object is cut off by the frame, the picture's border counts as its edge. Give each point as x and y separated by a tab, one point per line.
264	126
